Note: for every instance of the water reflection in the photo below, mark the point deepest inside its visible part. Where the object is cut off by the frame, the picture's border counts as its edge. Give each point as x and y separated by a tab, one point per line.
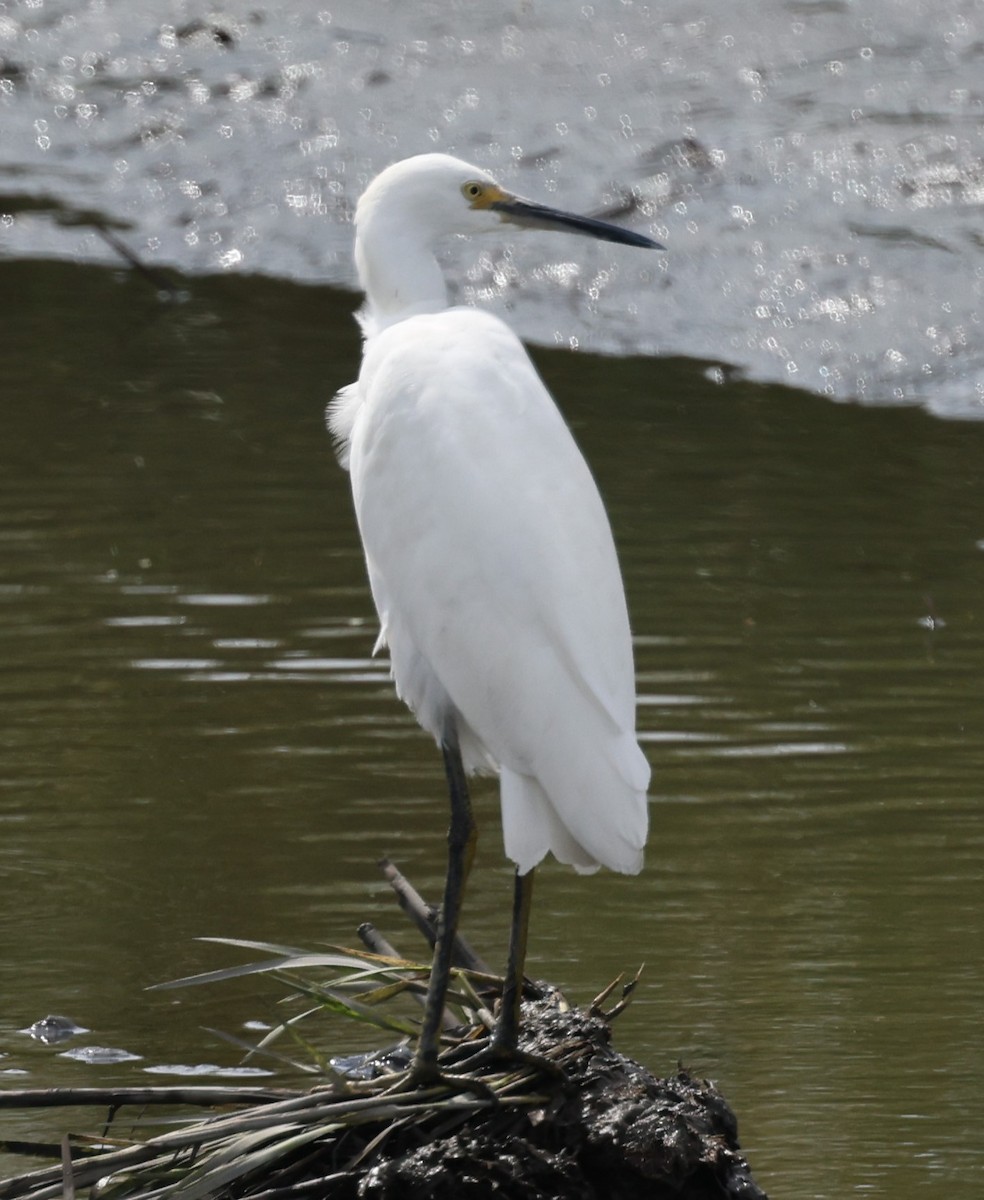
197	739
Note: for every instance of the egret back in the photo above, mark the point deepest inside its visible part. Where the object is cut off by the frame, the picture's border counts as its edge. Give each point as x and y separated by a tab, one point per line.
494	573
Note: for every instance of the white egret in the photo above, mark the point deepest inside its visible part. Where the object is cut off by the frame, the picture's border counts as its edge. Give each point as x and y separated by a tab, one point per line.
489	555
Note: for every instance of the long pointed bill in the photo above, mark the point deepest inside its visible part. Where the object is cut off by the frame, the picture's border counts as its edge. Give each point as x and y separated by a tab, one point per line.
538	216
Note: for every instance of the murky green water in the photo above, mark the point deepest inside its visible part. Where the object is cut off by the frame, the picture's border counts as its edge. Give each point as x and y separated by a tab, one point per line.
195	739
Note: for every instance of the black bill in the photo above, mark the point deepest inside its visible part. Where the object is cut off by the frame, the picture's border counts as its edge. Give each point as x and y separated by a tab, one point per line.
538	216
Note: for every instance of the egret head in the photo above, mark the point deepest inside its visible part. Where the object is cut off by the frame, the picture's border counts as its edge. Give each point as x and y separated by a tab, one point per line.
433	194
408	207
436	194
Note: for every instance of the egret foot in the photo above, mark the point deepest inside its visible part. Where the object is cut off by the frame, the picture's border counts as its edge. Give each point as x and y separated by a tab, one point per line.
498	1053
427	1078
501	1057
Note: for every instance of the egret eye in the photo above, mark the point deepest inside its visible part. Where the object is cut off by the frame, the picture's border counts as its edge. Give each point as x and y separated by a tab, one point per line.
473	190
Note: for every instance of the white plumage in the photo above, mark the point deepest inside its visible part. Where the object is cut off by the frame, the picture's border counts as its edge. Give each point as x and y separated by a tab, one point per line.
490	556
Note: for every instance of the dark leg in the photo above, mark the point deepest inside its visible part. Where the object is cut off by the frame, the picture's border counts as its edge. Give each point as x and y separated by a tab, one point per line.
506	1036
461	850
503	1046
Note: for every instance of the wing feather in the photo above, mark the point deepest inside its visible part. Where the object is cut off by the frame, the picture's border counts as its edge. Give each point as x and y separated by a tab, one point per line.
494	571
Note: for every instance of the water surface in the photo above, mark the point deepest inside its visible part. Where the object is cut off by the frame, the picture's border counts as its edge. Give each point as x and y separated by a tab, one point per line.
197	741
815	168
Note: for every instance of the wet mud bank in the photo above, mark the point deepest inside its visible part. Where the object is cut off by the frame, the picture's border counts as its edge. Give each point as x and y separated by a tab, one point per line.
571	1119
608	1129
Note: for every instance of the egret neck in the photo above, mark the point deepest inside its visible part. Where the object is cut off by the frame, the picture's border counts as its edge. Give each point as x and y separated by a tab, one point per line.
397	268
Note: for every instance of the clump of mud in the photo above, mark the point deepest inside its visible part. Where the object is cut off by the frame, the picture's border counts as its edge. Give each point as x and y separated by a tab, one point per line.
606	1129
